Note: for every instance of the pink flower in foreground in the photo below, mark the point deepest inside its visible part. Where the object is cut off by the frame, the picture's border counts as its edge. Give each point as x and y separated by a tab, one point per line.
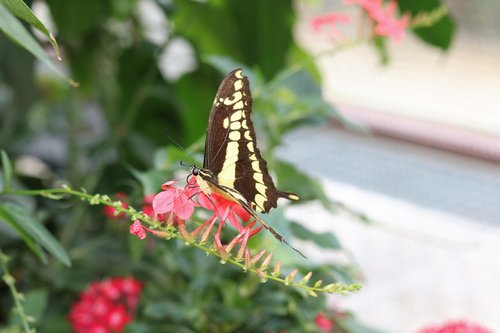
324	323
459	326
386	23
181	203
138	229
174	200
106	306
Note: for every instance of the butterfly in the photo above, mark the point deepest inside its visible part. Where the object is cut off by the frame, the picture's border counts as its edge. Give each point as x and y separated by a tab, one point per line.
233	166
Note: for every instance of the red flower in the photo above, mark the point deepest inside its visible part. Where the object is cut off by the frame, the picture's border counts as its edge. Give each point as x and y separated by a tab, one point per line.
106	307
147	205
459	326
324	323
110	212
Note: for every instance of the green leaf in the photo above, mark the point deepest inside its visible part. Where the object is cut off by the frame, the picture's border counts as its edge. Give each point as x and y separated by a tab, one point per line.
11	26
441	33
7	170
136	248
21	10
36	302
30	242
381	47
293	180
250	32
325	240
35	229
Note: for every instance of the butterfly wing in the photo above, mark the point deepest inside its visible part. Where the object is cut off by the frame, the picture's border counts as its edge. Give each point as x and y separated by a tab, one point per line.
231	152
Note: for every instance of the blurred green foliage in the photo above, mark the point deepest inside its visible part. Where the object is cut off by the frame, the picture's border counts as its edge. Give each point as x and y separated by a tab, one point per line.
116	132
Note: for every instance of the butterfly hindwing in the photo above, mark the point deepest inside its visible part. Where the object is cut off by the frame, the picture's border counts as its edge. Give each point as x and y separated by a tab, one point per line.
231	152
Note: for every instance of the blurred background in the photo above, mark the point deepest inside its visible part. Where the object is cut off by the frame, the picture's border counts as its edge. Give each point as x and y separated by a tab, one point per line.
393	144
429	173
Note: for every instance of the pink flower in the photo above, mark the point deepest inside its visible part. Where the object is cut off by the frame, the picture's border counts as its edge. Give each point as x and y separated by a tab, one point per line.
323	323
138	229
331	20
386	24
180	203
174	200
459	326
106	307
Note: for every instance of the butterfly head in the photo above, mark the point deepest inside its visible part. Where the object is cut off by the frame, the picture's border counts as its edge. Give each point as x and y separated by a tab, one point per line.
194	170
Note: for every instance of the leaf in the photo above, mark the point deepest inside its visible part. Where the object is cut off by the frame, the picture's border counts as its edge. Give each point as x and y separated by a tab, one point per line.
150	180
441	33
325	240
36	302
250	32
7	170
36	230
136	248
166	309
27	238
381	47
11	26
293	180
21	10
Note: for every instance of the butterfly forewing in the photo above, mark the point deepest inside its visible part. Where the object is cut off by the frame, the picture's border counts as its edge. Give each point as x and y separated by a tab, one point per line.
231	152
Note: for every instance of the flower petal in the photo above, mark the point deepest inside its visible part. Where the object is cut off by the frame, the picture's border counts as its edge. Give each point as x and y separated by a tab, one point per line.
137	229
163	202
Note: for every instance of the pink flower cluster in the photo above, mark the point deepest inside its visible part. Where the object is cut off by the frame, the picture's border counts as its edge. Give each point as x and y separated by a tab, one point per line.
178	205
386	23
459	326
106	306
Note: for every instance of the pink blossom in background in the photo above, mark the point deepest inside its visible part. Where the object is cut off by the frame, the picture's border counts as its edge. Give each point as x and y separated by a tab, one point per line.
323	323
459	326
110	211
386	23
319	22
106	306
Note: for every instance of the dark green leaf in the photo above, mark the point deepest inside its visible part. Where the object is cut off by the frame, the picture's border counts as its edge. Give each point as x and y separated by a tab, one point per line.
441	33
291	179
36	230
325	240
11	26
136	247
7	170
30	242
21	10
255	33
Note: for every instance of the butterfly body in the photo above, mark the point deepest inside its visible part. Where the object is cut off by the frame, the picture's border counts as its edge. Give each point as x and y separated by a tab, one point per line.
233	165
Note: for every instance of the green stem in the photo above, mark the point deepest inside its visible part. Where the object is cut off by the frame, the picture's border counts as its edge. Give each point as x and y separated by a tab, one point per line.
16	296
169	232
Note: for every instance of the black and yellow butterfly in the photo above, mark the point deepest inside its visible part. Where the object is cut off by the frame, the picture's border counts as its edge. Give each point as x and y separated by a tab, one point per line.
233	165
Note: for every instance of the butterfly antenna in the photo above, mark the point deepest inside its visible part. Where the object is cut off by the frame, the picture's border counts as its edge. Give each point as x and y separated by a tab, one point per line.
181	148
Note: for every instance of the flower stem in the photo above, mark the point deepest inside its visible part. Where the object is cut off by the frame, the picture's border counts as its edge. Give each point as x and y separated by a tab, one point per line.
171	232
16	296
